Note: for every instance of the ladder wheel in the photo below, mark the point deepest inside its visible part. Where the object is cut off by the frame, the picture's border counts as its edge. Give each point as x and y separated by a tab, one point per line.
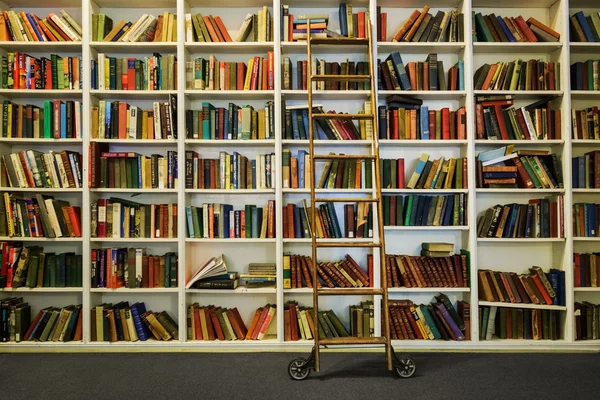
296	370
406	367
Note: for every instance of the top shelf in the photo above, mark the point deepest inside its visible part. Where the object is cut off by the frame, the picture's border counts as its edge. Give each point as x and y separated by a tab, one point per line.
146	4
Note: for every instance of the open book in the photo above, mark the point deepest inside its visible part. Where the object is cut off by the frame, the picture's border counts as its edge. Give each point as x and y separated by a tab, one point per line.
213	267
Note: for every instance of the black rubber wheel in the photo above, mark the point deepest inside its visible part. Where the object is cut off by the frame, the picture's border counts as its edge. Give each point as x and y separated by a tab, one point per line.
407	367
295	370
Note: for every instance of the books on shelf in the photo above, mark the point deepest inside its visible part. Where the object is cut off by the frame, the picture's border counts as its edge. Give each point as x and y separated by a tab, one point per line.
260	276
495	28
586	171
157	72
297	128
212	74
148	28
585	28
505	167
585	220
294	27
587	321
299	323
497	120
132	268
346	273
231	123
34	169
540	218
214	221
427	75
28	27
39	216
117	218
362	319
423	26
441	173
229	171
216	268
130	323
199	28
518	75
425	210
22	71
425	271
56	119
585	123
220	323
518	323
34	268
586	269
439	320
583	76
120	120
299	81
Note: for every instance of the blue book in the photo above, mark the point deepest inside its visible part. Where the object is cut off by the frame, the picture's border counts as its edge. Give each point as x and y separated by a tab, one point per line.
577	76
424	123
562	299
449	211
545	220
305	121
529	221
190	222
429	320
581	167
295	131
400	70
301	166
100	266
424	211
553	279
585	27
206	128
343	20
234	172
121	32
138	309
507	32
321	135
119	306
63	120
297	223
94	67
34	26
461	75
334	220
491	154
590	220
575	172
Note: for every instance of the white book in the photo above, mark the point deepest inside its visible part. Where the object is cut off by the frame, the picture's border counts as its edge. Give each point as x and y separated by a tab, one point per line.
62	172
205	221
65	27
133	28
189	35
149	20
245	29
157	122
139	253
101	72
133	113
116	220
77	119
101	119
161	173
53	218
74	169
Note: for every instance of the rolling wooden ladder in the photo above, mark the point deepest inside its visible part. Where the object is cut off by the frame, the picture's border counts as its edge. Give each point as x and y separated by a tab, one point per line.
300	368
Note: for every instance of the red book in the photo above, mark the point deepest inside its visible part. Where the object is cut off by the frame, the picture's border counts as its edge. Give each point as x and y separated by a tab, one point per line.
197	324
400	173
370	269
392	210
130	75
361	25
28	173
209	326
145	272
74	216
216	324
413	323
56	118
255	68
221	123
522	124
4	266
32	326
432	125
445	124
222	29
541	288
453	73
48	84
238	318
241	75
123	119
293	323
525	29
290	217
102	208
501	122
394	128
151	272
261	320
290	37
383	27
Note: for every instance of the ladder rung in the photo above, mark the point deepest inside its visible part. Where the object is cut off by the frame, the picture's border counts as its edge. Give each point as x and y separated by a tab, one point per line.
353	340
352	78
343	116
349	291
340	41
347	244
347	200
344	157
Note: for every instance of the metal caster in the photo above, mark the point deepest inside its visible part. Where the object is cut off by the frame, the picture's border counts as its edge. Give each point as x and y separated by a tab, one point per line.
298	369
406	367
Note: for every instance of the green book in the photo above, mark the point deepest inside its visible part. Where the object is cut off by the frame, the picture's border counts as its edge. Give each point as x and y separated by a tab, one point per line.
100	34
60	72
386	210
368	174
531	173
501	321
352	175
248	222
337	324
386	174
399	210
32	270
197	221
408	212
438	124
483	324
393	174
221	319
483	31
429	320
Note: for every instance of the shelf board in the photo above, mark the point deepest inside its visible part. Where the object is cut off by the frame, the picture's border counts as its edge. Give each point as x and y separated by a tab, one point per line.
68	47
238	290
134	240
585	142
305	142
145	4
123	343
430	290
307	190
585	94
135	47
518	190
237	142
514	3
230	94
587	289
231	240
244	343
300	48
549	142
305	290
421	47
586	239
136	290
133	94
586	190
136	191
422	143
44	289
43	344
231	191
327	94
44	94
426	94
40	239
520	94
426	228
341	240
522	305
423	191
520	240
40	141
138	142
230	47
516	47
42	190
584	47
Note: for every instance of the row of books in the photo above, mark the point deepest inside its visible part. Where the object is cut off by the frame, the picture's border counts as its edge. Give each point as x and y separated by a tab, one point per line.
428	75
220	323
55	120
52	324
425	210
336	174
297	128
585	219
130	323
324	67
132	268
505	167
587	321
415	271
118	218
585	28
295	27
136	171
518	75
213	221
22	71
492	28
147	28
585	123
231	123
496	120
352	25
213	274
586	171
28	27
40	216
537	287
346	273
422	26
583	76
128	73
440	173
518	323
119	120
32	267
540	218
362	319
212	74
420	123
299	323
586	268
34	169
229	171
439	320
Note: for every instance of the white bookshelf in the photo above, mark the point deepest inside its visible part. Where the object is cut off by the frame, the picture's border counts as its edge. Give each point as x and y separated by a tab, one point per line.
500	254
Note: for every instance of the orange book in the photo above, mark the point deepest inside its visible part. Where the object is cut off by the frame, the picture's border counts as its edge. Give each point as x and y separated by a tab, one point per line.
211	30
264	74
122	120
4	33
321	25
79	329
543	27
412	74
426	76
254	322
261	321
413	124
416	25
541	289
212	21
75	70
28	26
159	28
222	29
271	71
361	25
241	75
488	78
74	213
406	26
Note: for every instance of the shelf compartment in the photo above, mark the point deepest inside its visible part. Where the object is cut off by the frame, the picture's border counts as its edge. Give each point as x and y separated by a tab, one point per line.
231	240
300	48
138	142
135	47
586	190
423	191
40	239
307	190
44	290
133	94
586	239
42	94
522	305
305	142
63	47
584	94
40	141
42	190
136	290
585	142
130	190
231	191
519	191
520	94
134	240
421	47
584	47
587	289
328	240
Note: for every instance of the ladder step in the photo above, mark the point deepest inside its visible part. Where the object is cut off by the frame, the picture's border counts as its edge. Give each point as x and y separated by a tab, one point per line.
347	244
349	291
350	78
340	41
353	340
344	157
343	116
347	200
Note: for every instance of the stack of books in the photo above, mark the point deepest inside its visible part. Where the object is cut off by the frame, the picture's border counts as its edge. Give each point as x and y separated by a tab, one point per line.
324	67
436	174
362	319
445	26
585	29
22	71
425	210
586	269
130	323
213	274
132	268
492	28
147	28
421	75
56	119
427	271
585	219
583	76
587	321
518	323
585	171
128	73
260	275
519	75
437	249
299	323
34	169
346	273
28	27
294	27
585	124
32	267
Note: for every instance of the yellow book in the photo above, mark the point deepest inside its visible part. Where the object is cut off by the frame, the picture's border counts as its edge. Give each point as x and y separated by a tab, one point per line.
106	73
144	125
450	175
228	183
287	281
496	75
249	74
514	80
10	119
13	19
424	323
419	324
346	275
261	124
30	35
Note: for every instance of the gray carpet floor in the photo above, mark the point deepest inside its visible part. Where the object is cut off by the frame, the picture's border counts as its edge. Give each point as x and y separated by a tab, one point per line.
264	376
